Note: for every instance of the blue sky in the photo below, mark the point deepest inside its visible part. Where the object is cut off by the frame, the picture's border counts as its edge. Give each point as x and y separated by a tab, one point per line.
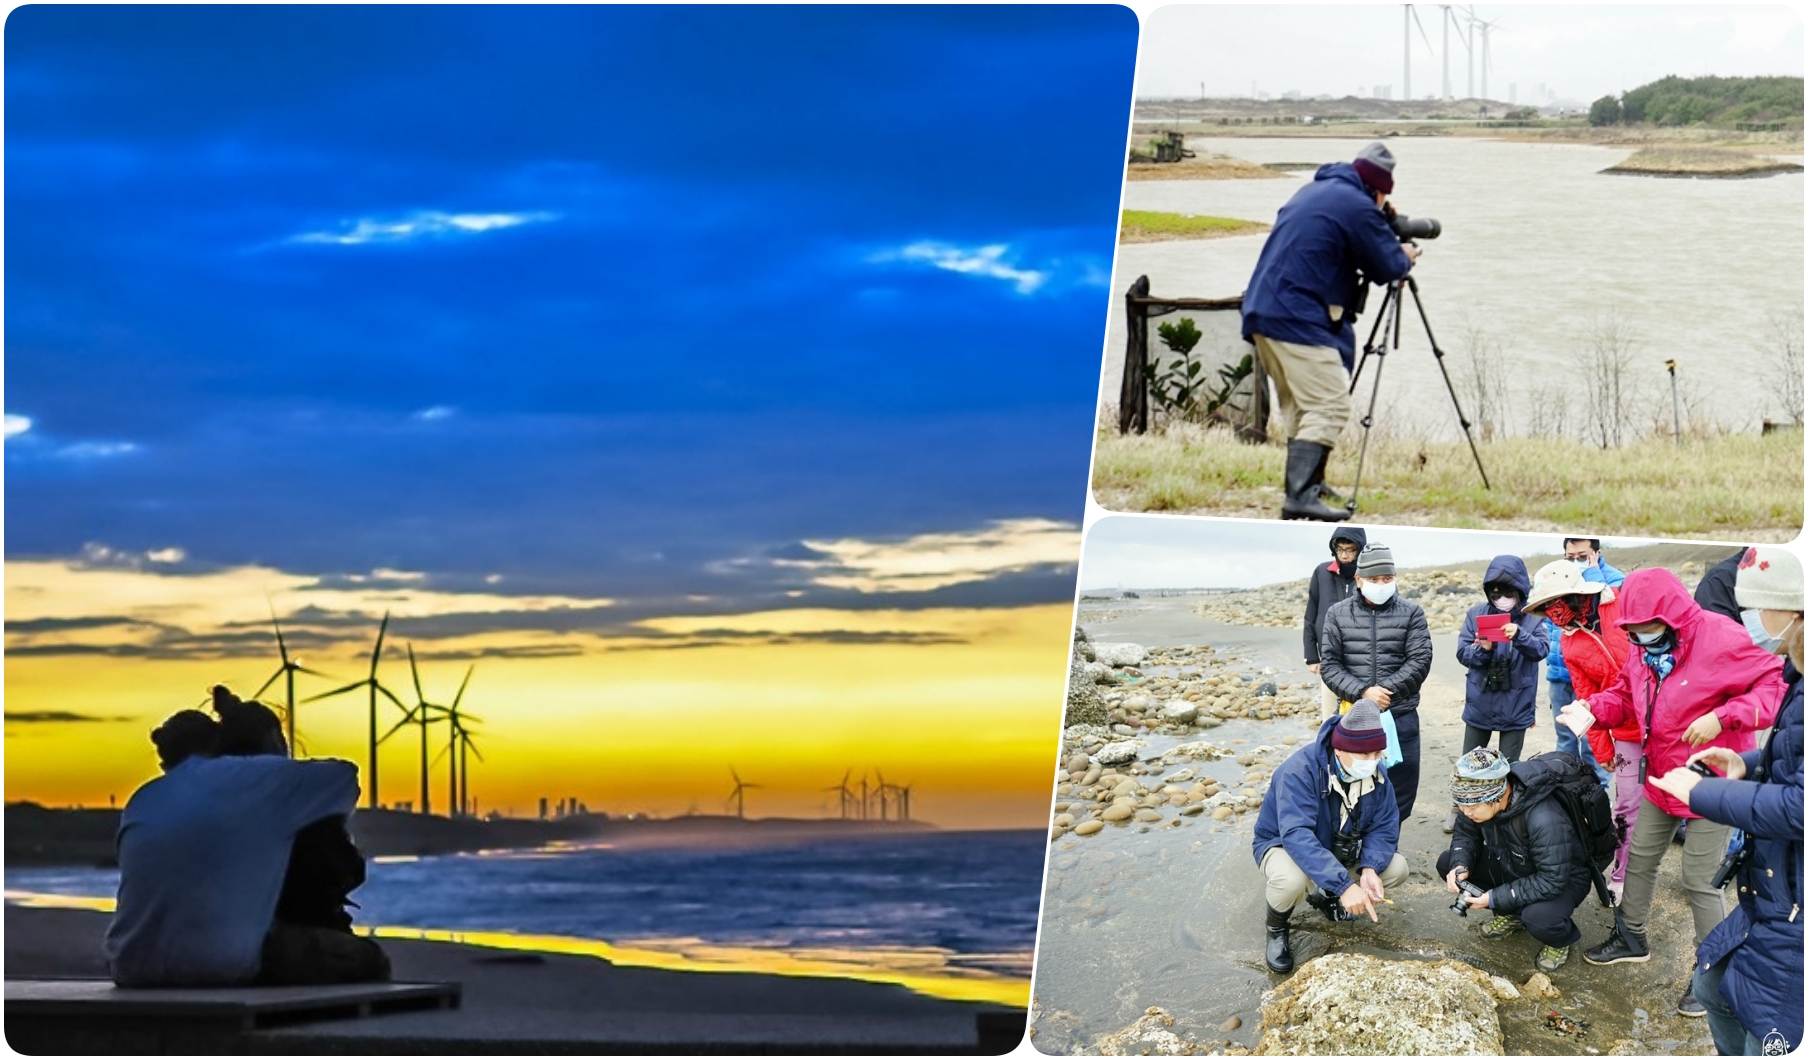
588	300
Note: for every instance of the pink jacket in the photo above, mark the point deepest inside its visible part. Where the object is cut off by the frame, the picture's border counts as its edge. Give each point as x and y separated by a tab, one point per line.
1718	670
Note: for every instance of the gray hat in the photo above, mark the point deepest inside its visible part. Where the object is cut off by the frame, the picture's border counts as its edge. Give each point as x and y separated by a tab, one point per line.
1376	561
1359	731
1769	577
1375	165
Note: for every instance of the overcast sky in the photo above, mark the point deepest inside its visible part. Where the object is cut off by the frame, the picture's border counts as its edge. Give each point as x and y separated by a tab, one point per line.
1580	52
1185	552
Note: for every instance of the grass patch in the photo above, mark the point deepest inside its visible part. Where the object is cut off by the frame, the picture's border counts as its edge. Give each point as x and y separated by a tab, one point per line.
1737	487
1150	226
1699	162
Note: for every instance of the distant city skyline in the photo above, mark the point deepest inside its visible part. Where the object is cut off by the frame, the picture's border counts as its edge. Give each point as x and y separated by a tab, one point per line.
1539	54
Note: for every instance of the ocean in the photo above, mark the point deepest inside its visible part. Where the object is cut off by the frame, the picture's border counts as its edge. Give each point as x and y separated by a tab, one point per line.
951	914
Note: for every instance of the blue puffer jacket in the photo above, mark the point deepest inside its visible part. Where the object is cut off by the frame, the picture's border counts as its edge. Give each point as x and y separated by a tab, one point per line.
1325	233
1603	572
1763	982
1301	812
1516	706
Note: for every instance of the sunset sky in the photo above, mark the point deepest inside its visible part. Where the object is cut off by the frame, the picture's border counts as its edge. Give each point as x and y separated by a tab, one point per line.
718	381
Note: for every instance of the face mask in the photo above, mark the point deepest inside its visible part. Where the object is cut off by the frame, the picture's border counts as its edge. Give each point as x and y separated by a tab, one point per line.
1754	626
1377	593
1650	640
1361	769
1506	603
1559	613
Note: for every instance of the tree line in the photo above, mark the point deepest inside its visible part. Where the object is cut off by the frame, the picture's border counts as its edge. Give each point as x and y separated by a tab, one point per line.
1704	100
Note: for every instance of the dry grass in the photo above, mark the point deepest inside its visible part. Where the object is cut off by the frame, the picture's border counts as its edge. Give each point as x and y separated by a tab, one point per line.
1206	167
1699	162
1149	226
1732	487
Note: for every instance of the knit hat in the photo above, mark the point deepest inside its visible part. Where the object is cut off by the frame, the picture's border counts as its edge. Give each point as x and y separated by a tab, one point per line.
1359	731
1769	577
1375	561
1481	776
1375	165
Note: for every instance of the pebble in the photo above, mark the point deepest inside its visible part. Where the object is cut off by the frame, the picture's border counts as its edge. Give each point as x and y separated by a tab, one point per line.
1078	762
1231	1024
1148	815
1220	813
1088	827
1116	812
1064	820
1193	810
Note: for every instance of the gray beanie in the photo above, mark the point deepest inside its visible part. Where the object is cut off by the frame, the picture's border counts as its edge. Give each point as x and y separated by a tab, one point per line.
1359	731
1375	165
1769	577
1376	561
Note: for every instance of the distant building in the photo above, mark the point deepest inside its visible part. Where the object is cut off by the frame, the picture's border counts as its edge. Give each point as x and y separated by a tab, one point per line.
1291	94
542	807
1384	91
1512	92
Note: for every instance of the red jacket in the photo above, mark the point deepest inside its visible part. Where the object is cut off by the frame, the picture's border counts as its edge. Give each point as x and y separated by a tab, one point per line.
1718	670
1595	661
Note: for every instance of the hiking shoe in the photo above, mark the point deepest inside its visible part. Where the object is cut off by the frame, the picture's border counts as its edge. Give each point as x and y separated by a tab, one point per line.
1690	1007
1623	945
1501	926
1552	958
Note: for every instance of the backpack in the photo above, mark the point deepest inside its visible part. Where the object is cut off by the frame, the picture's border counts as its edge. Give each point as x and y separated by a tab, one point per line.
1590	813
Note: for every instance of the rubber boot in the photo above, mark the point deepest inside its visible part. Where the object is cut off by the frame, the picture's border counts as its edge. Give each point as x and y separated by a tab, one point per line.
1280	952
1305	473
1326	493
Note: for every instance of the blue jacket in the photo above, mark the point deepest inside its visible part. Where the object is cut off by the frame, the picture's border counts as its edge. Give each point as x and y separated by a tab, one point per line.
1329	229
1516	706
1301	811
1763	982
1603	572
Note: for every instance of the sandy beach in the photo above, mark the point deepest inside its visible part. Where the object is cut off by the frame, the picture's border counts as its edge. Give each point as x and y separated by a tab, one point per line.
1168	912
517	1001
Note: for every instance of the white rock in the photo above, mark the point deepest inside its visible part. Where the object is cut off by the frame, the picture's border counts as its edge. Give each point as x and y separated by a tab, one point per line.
1116	753
1179	710
1120	654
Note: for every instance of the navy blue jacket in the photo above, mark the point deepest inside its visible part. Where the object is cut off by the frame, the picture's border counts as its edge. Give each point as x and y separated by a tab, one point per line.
1325	233
1763	982
1300	815
1515	707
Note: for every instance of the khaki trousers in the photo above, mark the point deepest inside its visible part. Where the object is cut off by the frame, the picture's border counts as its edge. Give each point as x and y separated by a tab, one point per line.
1313	387
1327	701
1702	848
1287	885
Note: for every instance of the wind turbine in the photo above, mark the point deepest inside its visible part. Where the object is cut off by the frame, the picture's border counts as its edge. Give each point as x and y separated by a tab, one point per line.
464	770
287	671
885	791
376	688
456	734
846	795
1487	50
1412	19
904	801
419	714
739	795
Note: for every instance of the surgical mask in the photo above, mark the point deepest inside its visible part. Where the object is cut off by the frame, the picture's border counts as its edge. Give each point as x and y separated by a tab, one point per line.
1650	640
1754	626
1361	768
1506	603
1377	593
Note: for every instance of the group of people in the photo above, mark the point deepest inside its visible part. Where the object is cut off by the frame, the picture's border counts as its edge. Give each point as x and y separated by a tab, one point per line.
1692	719
236	865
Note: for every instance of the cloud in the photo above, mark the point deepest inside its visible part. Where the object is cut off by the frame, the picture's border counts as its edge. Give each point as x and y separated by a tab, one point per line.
17	425
934	561
436	413
423	224
43	717
987	262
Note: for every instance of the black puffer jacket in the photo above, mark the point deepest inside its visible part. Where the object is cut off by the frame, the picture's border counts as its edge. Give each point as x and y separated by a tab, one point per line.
1531	843
1331	583
1365	645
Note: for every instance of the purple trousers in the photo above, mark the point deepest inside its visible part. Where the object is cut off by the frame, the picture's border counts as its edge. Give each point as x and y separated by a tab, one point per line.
1627	794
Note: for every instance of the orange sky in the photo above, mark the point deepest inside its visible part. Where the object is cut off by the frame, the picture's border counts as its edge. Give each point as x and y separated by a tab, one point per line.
971	721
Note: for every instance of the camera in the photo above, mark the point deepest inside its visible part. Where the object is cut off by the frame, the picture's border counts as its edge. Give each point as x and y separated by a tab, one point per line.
1412	227
1465	891
1346	847
1697	767
1730	866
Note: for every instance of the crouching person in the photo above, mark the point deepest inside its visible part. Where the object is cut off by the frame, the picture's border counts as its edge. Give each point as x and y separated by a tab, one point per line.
1518	850
1328	829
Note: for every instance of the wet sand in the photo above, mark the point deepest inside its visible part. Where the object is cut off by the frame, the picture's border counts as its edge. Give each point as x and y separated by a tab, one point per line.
516	1001
1172	916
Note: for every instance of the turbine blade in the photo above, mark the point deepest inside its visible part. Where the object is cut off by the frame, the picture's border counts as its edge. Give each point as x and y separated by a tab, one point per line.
462	685
354	686
416	671
261	689
376	653
398	727
391	696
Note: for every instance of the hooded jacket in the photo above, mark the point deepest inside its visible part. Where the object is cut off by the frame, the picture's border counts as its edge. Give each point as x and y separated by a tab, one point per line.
1600	571
1327	232
1763	983
1331	584
1365	645
1301	813
1539	856
1514	707
1718	670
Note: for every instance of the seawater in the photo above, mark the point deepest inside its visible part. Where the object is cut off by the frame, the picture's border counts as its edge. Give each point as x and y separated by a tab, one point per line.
1538	247
952	914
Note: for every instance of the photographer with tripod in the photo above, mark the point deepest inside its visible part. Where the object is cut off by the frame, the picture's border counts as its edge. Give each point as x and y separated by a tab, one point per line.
1307	288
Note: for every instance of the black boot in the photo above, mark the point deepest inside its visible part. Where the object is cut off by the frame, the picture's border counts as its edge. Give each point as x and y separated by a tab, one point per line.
1326	493
1305	475
1280	954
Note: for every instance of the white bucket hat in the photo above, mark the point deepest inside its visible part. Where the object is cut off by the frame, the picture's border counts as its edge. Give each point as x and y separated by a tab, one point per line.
1556	579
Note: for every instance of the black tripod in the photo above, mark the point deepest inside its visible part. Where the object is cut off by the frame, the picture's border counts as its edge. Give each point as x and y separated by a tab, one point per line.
1387	328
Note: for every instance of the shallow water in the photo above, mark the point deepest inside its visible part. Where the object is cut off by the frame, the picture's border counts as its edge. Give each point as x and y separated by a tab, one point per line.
1172	916
1537	246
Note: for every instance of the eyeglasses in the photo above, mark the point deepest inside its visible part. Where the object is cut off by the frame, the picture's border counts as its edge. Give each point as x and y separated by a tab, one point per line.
1578	557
